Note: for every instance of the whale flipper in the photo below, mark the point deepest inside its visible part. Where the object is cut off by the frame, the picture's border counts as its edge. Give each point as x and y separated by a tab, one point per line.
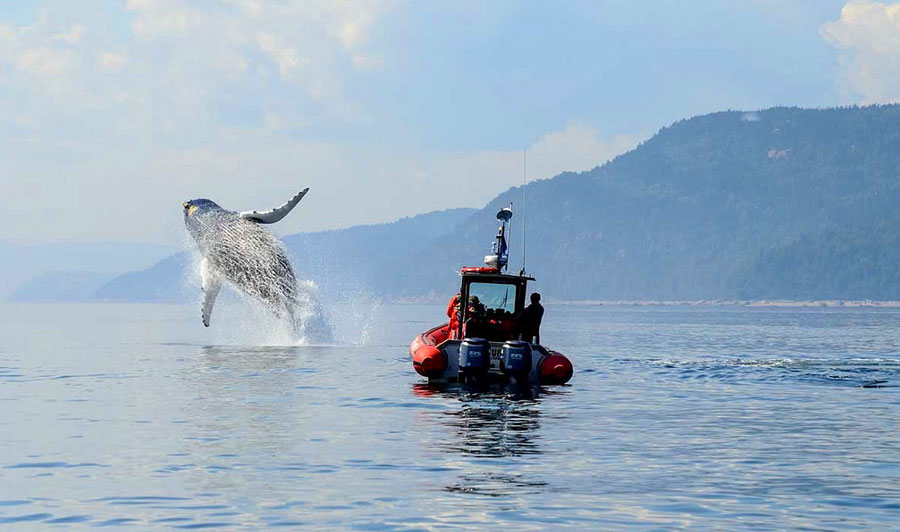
276	214
211	285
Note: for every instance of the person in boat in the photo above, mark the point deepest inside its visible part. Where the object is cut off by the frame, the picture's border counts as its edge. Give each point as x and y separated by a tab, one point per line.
475	306
475	325
528	321
453	314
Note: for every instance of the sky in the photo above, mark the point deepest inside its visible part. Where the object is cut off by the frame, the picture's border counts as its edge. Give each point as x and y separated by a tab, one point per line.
115	112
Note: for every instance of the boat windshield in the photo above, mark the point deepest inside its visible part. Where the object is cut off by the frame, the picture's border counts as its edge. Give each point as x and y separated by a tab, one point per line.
494	298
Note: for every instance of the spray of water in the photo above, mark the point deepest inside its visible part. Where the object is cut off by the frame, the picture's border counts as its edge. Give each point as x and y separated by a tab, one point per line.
356	317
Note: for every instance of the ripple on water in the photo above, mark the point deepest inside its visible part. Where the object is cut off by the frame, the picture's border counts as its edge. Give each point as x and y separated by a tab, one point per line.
69	520
172	519
14	503
116	522
25	518
10	373
51	465
856	372
205	525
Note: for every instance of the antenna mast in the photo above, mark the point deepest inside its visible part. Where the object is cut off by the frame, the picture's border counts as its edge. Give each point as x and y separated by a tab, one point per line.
524	205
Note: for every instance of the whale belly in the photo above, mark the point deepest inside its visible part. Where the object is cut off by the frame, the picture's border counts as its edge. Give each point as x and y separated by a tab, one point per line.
255	262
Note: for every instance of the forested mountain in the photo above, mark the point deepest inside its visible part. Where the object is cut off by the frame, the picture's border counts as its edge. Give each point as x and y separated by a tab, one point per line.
781	203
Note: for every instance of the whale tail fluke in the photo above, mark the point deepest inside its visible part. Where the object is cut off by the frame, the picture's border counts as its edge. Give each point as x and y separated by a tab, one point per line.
276	214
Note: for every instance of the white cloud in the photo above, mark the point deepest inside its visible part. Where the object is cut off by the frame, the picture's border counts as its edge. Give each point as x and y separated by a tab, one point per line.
368	62
868	36
578	147
223	99
45	62
289	33
72	36
165	18
273	122
111	61
287	59
354	26
231	79
181	53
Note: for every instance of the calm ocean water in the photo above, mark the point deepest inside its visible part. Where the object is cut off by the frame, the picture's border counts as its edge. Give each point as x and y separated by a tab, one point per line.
135	417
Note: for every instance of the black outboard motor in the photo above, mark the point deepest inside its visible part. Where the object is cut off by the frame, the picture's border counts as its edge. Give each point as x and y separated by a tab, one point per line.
474	357
515	358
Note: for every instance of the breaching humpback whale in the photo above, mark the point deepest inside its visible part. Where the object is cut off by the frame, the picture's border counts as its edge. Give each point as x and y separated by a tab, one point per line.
236	249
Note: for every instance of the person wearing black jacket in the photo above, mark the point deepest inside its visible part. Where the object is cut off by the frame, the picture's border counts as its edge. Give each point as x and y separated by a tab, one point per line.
528	321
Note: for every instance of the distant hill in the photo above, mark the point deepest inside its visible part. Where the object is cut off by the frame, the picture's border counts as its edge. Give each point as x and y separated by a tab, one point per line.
164	282
20	263
781	203
60	287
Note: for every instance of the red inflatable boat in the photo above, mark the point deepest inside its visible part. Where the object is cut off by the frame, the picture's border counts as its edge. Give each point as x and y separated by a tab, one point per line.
482	338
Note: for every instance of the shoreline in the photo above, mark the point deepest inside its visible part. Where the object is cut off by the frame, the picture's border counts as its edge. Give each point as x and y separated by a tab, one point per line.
754	303
757	303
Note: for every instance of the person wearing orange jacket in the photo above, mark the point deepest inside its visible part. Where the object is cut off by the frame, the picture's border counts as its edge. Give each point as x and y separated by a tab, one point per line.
453	314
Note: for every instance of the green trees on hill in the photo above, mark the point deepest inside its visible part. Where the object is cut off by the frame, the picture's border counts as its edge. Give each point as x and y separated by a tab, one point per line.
785	202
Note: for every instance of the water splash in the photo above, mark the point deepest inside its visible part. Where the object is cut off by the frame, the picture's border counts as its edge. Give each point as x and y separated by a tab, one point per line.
311	323
357	318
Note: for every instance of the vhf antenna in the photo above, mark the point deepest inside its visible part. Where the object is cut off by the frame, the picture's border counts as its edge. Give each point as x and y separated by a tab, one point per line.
524	205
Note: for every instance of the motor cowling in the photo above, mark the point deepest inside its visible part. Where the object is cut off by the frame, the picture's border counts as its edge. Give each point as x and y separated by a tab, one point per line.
515	358
474	356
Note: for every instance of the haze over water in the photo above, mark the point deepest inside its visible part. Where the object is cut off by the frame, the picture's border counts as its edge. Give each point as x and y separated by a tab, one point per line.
136	417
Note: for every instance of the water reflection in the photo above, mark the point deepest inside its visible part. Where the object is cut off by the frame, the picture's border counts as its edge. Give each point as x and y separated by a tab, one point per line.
494	421
497	423
242	407
497	485
251	389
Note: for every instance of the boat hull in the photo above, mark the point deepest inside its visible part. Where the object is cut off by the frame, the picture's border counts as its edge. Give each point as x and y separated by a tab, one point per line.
436	356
